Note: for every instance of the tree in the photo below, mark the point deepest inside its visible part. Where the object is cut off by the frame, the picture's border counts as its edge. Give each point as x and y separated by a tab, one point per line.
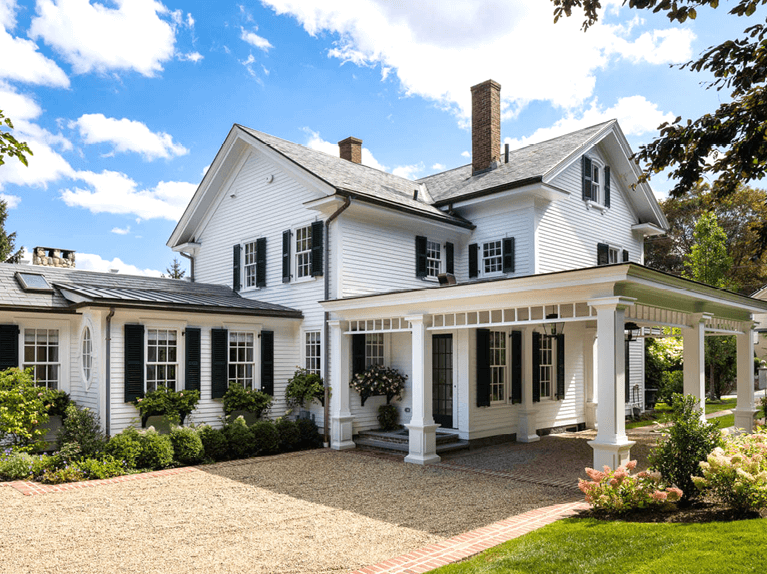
9	145
8	251
175	271
729	143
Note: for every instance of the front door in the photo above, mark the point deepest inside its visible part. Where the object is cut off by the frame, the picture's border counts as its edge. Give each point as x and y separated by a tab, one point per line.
442	380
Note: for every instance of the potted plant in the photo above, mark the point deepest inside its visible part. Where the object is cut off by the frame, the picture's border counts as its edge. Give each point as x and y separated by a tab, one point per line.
305	387
165	406
379	380
251	404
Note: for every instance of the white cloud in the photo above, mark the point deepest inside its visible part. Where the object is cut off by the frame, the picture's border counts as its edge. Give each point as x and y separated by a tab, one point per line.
92	37
8	14
255	40
193	57
11	200
128	136
408	171
438	50
115	192
635	114
466	154
93	262
316	142
438	166
121	231
205	170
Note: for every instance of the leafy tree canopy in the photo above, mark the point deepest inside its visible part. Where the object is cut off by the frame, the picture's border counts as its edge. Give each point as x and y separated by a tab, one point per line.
9	145
708	260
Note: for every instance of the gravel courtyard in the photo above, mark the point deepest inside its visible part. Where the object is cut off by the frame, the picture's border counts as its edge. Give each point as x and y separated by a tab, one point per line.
316	511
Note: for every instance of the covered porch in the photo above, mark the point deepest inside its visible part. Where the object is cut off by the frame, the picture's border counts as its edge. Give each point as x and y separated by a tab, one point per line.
528	355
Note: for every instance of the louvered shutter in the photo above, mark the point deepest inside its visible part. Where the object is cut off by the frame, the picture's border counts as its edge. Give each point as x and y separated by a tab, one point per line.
516	367
627	373
286	235
625	255
261	262
267	362
536	367
508	255
586	177
560	366
449	258
192	368
473	260
607	186
603	254
420	256
483	367
219	364
236	285
358	354
134	362
318	234
9	346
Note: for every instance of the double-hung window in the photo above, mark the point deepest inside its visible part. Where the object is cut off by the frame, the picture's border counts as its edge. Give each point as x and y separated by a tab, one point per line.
546	365
595	188
613	255
249	264
498	367
492	257
242	358
41	354
433	259
304	252
374	349
161	359
313	352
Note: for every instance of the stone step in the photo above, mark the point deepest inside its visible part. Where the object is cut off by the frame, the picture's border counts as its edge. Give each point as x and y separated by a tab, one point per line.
401	437
367	442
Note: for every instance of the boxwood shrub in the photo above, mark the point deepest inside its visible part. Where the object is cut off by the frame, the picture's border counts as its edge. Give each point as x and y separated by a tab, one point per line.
187	445
290	436
215	445
266	437
239	438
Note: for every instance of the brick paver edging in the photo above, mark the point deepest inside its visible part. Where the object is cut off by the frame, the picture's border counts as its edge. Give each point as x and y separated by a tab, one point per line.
470	543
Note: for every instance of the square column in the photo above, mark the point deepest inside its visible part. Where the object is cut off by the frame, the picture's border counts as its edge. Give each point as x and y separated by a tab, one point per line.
611	446
590	376
526	426
694	360
744	411
422	429
341	419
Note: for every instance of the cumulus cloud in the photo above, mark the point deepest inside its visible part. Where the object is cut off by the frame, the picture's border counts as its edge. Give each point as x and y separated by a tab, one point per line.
438	166
94	262
115	192
438	49
128	136
255	40
10	200
134	35
193	57
121	231
316	142
466	154
408	171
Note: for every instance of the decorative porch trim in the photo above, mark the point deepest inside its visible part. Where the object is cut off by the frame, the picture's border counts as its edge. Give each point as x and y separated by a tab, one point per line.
382	325
525	315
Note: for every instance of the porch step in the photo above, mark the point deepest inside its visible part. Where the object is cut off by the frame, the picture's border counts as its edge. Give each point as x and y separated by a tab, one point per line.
397	441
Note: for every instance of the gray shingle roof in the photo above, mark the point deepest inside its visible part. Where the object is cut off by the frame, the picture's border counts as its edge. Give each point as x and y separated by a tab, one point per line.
126	290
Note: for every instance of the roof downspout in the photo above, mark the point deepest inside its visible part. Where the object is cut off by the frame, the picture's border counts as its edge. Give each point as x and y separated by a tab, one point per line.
326	334
191	264
107	409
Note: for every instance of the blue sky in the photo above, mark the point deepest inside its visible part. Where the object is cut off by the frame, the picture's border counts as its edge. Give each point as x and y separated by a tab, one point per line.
126	103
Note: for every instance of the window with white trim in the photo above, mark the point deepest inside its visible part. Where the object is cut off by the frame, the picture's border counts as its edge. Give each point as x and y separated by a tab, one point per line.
595	186
41	354
242	358
492	257
161	359
375	349
433	259
546	365
249	264
86	354
313	352
614	254
498	367
304	252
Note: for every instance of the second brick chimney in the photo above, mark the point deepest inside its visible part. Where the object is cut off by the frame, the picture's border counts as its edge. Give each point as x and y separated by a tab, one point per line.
485	125
351	149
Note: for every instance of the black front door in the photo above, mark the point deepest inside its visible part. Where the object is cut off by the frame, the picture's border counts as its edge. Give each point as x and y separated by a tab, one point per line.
442	380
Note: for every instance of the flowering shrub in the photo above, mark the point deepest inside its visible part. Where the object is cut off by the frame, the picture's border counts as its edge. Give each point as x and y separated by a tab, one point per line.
618	491
379	380
15	465
175	405
304	387
238	398
736	474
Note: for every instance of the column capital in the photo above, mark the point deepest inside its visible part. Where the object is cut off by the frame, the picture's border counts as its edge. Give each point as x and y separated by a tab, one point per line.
701	317
416	318
611	303
334	323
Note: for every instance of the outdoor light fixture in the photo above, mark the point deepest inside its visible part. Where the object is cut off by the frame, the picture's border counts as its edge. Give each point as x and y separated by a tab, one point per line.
553	329
632	331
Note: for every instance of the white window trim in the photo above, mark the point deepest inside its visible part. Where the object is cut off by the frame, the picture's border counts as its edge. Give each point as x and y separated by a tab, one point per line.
64	349
180	351
294	278
552	396
88	381
507	371
599	205
247	328
320	330
386	349
243	276
481	258
440	261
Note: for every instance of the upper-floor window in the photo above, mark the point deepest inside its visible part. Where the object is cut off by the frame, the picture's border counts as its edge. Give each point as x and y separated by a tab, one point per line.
595	182
433	259
161	359
242	358
303	251
249	264
492	257
608	254
313	352
614	255
595	195
41	354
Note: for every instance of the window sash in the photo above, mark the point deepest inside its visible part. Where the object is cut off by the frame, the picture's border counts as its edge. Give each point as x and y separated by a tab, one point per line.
546	365
41	354
303	252
613	255
375	349
249	264
87	354
313	353
433	259
161	359
492	256
595	184
498	367
242	358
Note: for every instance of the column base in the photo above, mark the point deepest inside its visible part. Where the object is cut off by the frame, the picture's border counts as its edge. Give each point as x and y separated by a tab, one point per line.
422	442
341	433
591	415
611	454
526	427
744	419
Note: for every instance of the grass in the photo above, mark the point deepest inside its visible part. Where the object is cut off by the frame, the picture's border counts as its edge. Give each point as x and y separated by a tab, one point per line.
590	546
662	410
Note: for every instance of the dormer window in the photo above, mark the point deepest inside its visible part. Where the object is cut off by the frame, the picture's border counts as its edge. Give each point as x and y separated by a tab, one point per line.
595	182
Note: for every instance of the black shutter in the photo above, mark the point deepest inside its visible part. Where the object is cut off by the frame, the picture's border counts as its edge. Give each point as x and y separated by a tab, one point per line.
420	256
449	258
219	364
603	254
607	186
586	176
516	367
318	234
134	362
473	260
236	268
627	373
625	255
483	367
537	367
508	255
261	262
267	362
358	354
286	256
561	366
192	369
9	346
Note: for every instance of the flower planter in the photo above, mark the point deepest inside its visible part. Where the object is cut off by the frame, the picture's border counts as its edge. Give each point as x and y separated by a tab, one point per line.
160	423
250	418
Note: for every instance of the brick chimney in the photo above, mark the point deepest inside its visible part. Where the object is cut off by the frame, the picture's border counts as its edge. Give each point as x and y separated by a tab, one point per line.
351	149
485	125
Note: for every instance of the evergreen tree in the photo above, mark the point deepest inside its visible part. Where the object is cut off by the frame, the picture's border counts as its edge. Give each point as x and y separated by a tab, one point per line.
8	252
175	271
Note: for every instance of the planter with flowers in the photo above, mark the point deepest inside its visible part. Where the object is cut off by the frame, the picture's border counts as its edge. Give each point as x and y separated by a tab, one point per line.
379	380
164	407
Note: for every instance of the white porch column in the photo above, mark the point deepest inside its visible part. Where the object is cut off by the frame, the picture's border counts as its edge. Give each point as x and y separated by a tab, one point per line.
341	418
527	420
694	360
422	429
611	446
744	412
590	375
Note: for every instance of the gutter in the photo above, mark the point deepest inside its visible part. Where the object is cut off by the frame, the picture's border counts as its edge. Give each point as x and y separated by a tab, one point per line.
191	264
107	409
326	315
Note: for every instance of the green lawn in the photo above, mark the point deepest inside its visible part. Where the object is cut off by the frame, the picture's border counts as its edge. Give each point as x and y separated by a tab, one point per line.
592	546
662	410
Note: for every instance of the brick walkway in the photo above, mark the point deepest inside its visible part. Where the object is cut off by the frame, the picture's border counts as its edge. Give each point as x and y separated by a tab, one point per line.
473	542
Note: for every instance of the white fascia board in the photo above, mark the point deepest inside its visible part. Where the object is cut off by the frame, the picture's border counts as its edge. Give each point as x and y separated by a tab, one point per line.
189	248
648	229
360	206
543	191
325	205
578	152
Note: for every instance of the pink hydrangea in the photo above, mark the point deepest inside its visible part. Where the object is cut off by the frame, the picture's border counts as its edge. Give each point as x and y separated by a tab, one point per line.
659	496
614	482
674	494
642	474
631	465
595	475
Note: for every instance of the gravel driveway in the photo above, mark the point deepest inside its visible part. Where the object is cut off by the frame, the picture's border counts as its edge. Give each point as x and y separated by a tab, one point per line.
317	511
